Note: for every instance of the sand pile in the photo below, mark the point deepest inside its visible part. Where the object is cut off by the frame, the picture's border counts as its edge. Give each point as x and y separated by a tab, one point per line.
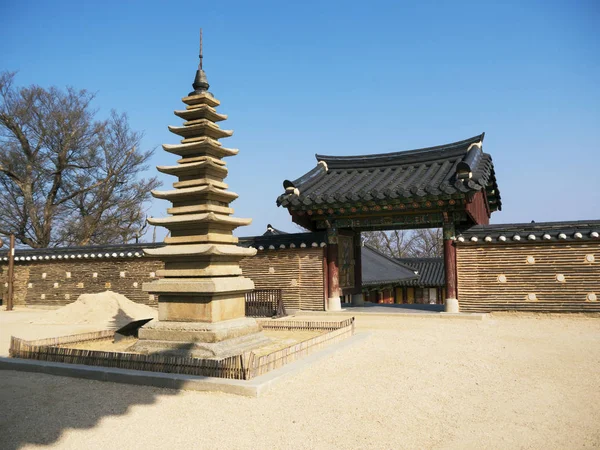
106	309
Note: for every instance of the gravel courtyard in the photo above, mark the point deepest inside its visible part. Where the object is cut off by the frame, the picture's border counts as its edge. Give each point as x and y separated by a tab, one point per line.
510	381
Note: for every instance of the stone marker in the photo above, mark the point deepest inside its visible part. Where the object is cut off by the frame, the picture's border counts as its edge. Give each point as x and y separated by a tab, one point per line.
201	292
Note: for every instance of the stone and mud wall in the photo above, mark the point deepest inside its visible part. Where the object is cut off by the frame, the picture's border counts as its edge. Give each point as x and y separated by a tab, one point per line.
541	276
56	282
297	272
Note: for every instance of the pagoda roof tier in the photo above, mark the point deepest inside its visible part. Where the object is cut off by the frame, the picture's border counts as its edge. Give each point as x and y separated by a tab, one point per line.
175	251
201	128
200	168
206	237
189	220
201	112
196	193
200	182
200	99
455	169
201	147
202	208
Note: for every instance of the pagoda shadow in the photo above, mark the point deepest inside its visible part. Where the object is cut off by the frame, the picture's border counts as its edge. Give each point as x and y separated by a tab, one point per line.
38	408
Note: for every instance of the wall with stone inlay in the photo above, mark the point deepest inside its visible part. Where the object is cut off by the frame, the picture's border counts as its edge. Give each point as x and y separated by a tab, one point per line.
298	272
62	282
545	276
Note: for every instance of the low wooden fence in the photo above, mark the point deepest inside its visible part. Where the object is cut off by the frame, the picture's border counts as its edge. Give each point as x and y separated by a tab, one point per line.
241	367
265	303
332	333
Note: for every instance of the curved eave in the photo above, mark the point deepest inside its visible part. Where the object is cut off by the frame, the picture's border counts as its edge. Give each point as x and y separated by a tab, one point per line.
195	192
189	219
206	145
194	168
388	282
205	128
200	250
299	202
200	99
201	112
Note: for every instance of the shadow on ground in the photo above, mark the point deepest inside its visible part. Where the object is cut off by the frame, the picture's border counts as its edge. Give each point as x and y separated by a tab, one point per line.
37	408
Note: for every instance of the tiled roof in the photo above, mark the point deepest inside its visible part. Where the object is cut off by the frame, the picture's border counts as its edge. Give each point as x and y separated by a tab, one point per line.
92	251
429	173
285	240
271	231
378	268
266	242
584	230
431	271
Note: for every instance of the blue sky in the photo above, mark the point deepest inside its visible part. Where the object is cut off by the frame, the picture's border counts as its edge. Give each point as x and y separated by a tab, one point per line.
299	78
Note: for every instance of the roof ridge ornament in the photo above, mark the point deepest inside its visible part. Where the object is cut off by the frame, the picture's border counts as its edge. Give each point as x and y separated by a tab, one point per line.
200	83
475	144
324	164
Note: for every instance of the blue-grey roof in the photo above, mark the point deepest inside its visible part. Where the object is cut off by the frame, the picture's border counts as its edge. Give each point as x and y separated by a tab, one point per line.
460	168
431	271
378	269
272	231
532	232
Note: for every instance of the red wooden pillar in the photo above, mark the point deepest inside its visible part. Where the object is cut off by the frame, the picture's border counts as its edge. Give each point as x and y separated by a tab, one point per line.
450	268
333	277
325	278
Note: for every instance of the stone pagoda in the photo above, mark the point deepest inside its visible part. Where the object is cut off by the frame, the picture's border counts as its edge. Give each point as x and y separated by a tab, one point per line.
201	302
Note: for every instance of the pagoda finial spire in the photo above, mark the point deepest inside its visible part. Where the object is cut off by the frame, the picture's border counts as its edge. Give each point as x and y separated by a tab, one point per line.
200	84
200	63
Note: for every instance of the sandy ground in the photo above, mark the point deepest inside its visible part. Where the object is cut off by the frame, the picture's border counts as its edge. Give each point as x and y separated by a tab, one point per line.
507	382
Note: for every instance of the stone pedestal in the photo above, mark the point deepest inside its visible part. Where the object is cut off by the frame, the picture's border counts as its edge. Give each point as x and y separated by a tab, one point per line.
200	299
200	340
334	304
452	305
358	300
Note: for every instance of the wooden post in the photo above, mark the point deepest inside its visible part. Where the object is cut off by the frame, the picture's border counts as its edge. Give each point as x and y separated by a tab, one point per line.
325	278
450	268
11	273
333	276
333	281
357	297
357	264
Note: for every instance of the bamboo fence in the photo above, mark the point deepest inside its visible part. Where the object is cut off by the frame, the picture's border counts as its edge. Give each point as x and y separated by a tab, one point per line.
241	367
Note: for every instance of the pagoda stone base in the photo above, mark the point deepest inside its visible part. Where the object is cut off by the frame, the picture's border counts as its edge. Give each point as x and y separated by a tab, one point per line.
212	299
200	339
201	308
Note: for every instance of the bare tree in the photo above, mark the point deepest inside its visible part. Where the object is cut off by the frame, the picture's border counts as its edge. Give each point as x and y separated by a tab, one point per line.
428	243
66	178
395	243
406	243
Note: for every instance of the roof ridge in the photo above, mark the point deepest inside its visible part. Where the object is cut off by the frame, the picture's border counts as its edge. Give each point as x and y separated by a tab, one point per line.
590	222
423	257
334	162
390	258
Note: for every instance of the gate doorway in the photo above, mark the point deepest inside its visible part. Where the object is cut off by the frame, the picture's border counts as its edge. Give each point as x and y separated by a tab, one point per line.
451	186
